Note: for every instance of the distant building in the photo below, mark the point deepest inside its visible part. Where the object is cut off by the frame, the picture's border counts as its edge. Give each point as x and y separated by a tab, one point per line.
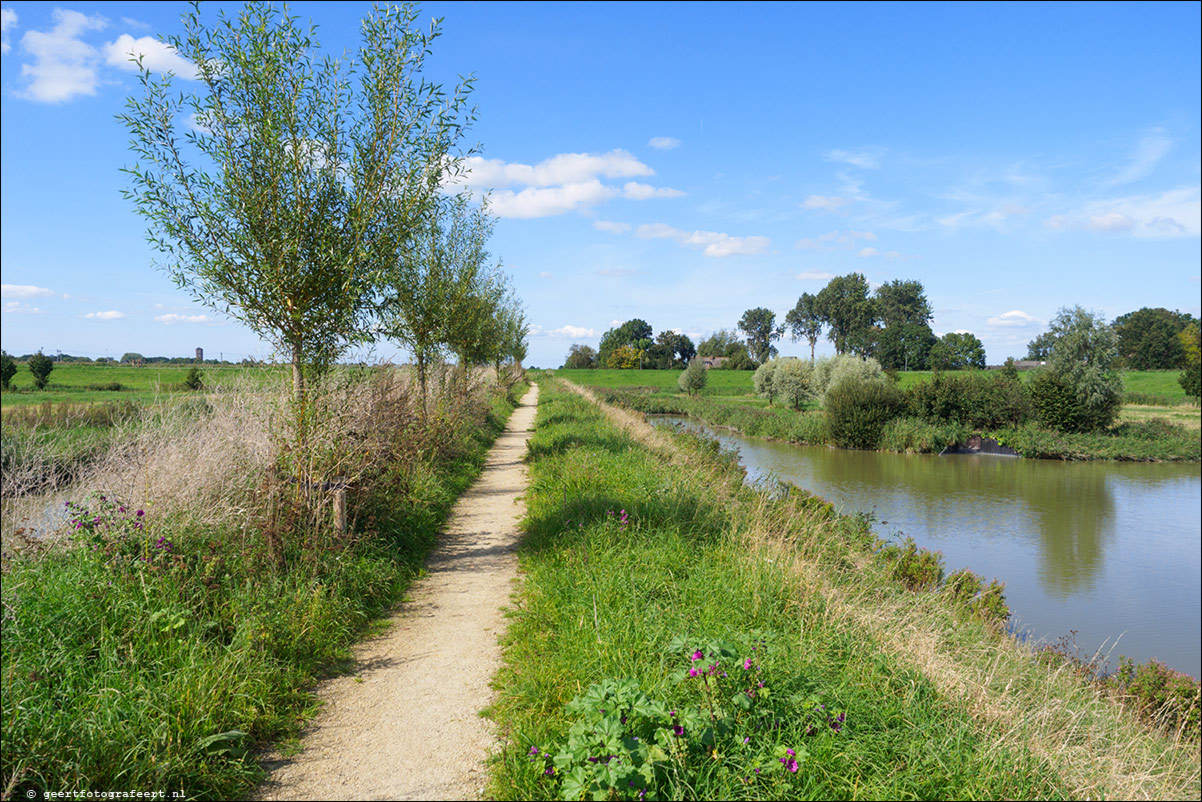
712	361
200	355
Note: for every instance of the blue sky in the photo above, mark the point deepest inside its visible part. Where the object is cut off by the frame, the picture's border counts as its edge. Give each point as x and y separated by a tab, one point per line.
683	163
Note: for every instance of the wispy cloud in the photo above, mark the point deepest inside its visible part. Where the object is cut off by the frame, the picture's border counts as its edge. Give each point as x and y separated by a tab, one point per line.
867	158
611	226
1013	319
1176	213
171	317
549	201
636	191
110	315
565	168
64	65
835	240
828	202
8	24
572	332
156	56
1151	149
815	275
19	308
25	291
664	142
712	243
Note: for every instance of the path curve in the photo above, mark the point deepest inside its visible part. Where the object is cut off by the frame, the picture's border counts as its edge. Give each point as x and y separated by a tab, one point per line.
406	723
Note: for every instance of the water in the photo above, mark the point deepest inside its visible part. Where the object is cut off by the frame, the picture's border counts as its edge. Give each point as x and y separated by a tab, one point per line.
1110	550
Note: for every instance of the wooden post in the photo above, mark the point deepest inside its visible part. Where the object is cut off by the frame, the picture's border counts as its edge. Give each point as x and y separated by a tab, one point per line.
340	510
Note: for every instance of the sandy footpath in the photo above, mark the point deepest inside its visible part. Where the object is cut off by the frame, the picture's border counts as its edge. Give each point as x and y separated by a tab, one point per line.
405	724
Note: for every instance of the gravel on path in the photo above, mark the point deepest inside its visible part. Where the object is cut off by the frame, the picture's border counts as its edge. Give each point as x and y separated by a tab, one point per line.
406	723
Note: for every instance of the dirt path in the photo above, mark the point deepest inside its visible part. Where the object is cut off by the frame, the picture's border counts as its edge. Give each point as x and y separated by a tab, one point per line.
406	723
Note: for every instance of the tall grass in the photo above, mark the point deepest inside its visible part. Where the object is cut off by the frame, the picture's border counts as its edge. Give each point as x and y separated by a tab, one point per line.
640	542
180	627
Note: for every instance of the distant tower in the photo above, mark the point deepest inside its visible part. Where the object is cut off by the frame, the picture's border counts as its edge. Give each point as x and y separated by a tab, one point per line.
200	355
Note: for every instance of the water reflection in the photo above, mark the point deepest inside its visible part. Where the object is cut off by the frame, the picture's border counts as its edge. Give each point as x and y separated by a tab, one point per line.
1103	548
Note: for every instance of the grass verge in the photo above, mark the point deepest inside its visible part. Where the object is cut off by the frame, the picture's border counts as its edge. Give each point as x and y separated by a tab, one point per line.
679	635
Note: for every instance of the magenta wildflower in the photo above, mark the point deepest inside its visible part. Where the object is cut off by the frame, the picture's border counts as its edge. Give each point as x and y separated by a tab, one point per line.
697	655
747	664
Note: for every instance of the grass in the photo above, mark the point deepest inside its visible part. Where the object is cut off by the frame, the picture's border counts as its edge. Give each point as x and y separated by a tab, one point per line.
643	546
86	384
161	651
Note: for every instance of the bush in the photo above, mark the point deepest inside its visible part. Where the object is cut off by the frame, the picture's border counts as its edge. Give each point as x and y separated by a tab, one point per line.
1060	406
1160	694
917	569
1191	380
194	380
40	366
762	380
918	436
832	371
8	369
969	592
858	410
793	381
979	400
694	378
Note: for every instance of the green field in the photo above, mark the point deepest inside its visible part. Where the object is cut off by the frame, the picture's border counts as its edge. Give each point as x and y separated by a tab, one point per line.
86	384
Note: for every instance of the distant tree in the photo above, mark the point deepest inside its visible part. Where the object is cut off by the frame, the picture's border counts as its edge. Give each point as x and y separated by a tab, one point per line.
632	332
759	325
693	379
581	356
8	369
719	343
1191	379
956	351
624	357
849	313
195	379
902	302
132	356
670	350
805	321
738	358
1039	349
1080	390
1148	339
794	381
762	380
40	366
287	182
904	346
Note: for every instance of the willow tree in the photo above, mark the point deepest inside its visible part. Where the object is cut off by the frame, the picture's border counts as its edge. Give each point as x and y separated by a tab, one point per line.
280	184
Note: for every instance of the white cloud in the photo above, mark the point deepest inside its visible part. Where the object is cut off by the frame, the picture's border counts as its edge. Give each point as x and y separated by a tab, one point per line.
156	56
549	201
869	158
814	275
636	191
828	202
892	256
868	252
110	315
24	291
137	25
572	332
664	142
834	239
1176	213
1014	317
1152	148
18	308
64	65
171	317
8	24
545	274
566	168
712	243
611	226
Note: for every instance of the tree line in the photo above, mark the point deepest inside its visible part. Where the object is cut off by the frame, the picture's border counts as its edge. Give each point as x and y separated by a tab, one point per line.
310	197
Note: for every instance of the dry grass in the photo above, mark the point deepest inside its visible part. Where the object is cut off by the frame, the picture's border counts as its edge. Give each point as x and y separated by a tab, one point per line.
1089	738
1189	417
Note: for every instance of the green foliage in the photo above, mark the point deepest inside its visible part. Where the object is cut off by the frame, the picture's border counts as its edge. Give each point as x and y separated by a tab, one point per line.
8	369
858	410
1160	694
957	351
636	333
280	184
694	378
830	371
918	436
1191	379
40	366
805	321
759	325
671	350
976	399
1040	349
900	303
969	592
849	312
195	379
905	346
581	357
1148	339
914	567
793	382
624	357
1086	392
129	357
762	380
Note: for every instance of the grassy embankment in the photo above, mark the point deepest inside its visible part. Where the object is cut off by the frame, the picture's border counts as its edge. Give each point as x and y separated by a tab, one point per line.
644	552
1139	435
198	599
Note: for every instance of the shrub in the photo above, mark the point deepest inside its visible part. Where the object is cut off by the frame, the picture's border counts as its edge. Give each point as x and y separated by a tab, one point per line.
917	569
8	369
979	400
918	436
195	379
1087	392
1160	694
1061	406
969	591
1191	380
762	380
793	381
845	367
40	366
693	379
857	411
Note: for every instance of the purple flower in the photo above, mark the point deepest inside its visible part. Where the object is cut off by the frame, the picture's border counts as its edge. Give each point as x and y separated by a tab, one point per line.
697	655
678	729
693	672
550	772
790	753
747	664
139	513
534	750
747	739
792	766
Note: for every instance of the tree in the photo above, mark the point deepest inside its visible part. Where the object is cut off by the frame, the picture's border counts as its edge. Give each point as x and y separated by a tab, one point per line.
670	350
1080	390
759	325
900	303
762	380
693	379
957	351
905	346
434	293
793	381
40	366
1148	339
131	357
849	313
805	321
632	332
624	357
8	369
1191	379
719	343
284	187
1039	349
195	379
581	356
